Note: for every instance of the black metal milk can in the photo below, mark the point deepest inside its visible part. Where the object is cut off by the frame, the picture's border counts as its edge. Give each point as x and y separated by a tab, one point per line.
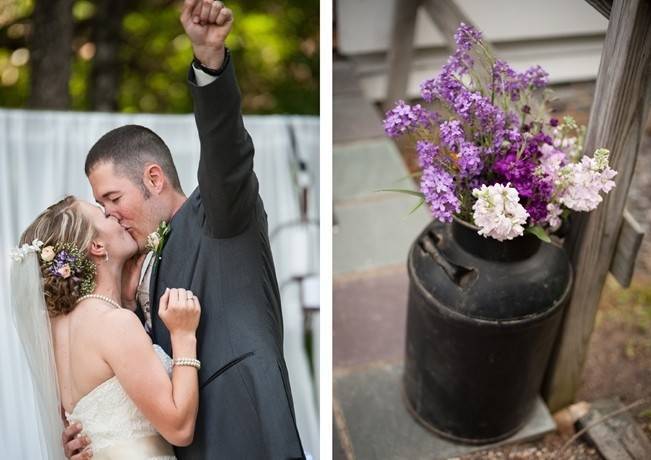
481	322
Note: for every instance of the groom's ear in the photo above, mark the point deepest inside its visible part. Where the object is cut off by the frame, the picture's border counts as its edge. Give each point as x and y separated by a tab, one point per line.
154	178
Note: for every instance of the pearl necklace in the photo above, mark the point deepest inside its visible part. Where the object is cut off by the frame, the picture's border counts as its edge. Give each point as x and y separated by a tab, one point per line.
100	297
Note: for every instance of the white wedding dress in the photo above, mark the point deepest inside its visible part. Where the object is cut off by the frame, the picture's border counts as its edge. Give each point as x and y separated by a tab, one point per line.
115	426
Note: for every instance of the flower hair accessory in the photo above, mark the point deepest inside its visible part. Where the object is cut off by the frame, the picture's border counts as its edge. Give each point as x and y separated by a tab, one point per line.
156	240
18	254
63	260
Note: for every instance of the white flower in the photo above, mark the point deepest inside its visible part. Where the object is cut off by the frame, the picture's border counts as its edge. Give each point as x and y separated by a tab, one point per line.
153	240
64	271
582	182
498	212
18	254
47	253
553	218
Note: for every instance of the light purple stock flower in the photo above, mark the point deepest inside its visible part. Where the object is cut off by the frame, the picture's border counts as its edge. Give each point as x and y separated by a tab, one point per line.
426	153
404	118
470	163
451	134
439	191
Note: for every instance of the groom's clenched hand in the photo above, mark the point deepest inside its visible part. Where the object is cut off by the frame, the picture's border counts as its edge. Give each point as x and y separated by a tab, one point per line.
207	24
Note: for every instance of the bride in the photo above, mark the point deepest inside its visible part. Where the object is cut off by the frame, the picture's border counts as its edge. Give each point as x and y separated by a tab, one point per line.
91	357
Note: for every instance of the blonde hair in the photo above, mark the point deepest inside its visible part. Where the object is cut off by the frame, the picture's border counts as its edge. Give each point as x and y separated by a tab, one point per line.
61	223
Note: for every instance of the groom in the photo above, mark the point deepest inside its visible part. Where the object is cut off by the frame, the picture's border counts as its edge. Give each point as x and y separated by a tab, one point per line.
218	248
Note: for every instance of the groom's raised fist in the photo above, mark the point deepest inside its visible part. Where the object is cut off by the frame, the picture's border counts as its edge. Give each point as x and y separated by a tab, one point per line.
207	23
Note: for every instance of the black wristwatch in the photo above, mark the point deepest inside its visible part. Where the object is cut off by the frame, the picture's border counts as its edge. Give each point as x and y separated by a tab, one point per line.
215	73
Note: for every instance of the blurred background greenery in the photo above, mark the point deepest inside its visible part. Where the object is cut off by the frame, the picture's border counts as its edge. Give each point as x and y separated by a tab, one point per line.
132	55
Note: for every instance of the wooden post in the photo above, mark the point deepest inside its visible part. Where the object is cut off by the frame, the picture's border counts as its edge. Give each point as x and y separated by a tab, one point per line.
616	122
401	49
445	14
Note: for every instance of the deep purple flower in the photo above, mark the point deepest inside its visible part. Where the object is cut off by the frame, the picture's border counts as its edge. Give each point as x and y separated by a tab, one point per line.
541	193
553	122
426	153
404	118
451	134
438	188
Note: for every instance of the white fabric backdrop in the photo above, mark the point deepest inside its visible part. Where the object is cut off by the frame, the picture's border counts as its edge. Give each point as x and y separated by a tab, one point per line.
42	159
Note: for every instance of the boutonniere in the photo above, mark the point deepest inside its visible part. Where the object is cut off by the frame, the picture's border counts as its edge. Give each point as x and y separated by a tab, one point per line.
156	240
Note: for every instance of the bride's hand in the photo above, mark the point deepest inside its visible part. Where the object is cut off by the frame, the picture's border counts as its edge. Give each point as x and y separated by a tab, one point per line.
180	311
130	280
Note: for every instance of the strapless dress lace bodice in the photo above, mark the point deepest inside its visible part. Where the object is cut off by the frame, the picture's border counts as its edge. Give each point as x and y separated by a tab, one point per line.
115	426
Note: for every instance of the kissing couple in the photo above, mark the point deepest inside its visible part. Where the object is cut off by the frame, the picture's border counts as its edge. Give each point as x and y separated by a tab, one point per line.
152	323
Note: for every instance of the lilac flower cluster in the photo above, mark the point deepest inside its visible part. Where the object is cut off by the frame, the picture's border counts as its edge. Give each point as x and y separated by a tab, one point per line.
439	192
404	118
451	133
507	81
494	131
426	153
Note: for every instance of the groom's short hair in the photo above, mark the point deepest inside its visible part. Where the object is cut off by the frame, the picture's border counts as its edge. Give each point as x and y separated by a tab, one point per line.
130	148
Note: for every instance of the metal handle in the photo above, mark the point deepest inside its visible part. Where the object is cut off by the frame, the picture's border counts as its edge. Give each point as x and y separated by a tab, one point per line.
464	277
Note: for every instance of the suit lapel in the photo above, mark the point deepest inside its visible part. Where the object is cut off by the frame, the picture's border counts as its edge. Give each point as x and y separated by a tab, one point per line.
153	299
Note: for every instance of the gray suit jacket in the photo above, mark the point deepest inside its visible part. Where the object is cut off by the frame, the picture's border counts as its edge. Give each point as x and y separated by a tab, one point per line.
219	248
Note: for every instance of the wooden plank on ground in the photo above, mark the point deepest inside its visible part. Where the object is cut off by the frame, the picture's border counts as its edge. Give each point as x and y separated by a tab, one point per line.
616	122
618	437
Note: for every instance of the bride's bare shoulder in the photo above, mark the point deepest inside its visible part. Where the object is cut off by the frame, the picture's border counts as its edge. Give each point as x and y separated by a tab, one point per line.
123	319
109	321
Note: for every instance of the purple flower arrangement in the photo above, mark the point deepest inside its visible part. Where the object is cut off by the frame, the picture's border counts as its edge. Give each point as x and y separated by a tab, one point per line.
490	154
65	260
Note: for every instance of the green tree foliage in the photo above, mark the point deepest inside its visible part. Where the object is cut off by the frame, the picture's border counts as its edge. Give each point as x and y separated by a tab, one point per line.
274	46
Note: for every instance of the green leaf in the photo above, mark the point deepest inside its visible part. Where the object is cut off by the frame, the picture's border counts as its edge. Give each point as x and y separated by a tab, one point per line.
410	176
540	233
420	203
407	192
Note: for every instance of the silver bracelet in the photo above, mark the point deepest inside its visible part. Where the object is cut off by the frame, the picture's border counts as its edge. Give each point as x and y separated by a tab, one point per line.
187	362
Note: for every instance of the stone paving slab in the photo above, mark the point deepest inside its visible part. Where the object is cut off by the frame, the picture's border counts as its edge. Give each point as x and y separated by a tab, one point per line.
379	426
354	117
363	168
375	233
369	321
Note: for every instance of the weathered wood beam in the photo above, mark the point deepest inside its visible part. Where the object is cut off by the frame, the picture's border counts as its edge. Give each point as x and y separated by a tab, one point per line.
616	122
628	245
401	49
447	16
603	6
